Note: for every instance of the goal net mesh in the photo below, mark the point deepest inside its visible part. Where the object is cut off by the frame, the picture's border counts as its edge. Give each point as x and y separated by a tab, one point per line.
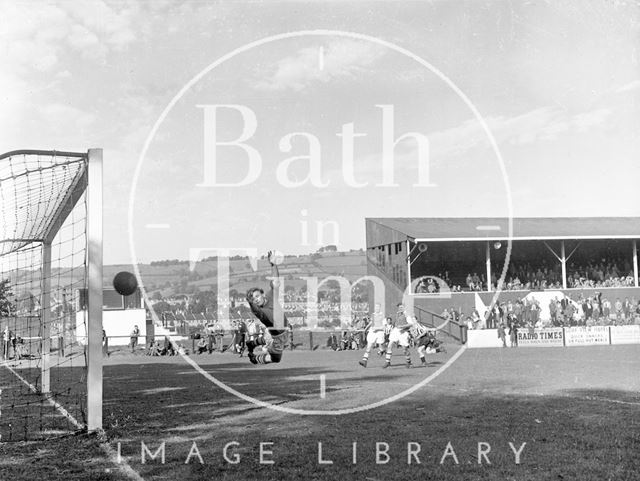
43	285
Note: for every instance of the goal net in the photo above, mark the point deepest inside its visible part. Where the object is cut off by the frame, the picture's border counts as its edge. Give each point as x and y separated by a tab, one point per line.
50	258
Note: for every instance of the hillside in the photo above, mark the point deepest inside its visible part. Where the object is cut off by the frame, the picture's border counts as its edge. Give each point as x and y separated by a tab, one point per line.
173	277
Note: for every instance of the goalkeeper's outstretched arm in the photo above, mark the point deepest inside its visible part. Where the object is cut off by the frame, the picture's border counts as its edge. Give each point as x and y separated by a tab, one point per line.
275	274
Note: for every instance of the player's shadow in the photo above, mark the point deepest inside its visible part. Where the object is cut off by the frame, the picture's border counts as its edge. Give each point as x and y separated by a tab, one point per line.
136	392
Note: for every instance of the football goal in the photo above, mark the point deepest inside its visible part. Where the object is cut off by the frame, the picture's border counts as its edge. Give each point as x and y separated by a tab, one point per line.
50	293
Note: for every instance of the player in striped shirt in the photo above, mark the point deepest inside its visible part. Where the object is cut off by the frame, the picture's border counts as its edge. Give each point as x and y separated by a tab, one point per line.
399	336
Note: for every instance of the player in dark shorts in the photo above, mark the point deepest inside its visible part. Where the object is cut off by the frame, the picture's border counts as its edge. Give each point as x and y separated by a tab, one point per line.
262	306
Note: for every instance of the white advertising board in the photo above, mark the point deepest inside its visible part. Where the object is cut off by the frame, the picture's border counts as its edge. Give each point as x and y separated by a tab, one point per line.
586	336
548	337
625	334
484	338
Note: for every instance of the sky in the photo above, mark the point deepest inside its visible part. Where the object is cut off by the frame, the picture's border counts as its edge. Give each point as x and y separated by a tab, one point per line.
331	112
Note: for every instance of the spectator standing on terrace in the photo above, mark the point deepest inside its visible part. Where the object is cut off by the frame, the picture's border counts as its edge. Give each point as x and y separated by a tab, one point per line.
596	312
619	310
568	313
517	310
502	335
469	322
475	315
133	340
292	346
105	343
211	338
513	333
626	307
553	310
421	287
332	341
535	312
606	308
509	309
345	341
218	332
597	299
6	336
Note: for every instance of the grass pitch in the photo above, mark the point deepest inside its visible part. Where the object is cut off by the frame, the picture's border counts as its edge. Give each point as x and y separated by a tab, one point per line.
577	410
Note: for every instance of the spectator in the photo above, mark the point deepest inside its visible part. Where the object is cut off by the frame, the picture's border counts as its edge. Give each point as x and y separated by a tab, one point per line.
513	333
501	335
201	346
133	341
619	312
154	348
469	322
345	341
218	332
168	349
332	342
292	346
211	337
105	343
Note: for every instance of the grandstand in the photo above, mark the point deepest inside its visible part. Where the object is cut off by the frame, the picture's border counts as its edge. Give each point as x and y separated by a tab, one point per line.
570	256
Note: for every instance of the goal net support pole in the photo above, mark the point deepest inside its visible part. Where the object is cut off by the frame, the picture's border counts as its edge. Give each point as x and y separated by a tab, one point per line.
94	324
45	320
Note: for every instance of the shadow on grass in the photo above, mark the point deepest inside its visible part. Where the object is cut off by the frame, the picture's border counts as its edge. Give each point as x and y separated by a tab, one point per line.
570	436
576	434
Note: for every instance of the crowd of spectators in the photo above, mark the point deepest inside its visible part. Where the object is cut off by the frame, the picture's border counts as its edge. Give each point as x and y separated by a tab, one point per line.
566	312
608	272
605	273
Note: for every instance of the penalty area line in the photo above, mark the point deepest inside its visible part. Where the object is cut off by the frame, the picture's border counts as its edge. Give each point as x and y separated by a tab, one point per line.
48	398
116	458
113	457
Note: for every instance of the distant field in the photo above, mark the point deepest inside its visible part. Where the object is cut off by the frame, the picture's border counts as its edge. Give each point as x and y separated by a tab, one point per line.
577	410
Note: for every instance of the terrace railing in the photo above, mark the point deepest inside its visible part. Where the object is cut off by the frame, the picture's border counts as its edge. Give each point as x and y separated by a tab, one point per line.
451	328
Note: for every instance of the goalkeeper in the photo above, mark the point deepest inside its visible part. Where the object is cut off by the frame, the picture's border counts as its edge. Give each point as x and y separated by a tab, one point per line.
264	307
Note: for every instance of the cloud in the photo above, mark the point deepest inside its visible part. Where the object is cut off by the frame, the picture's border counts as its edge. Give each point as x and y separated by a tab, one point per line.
542	124
114	27
41	44
635	85
323	63
36	35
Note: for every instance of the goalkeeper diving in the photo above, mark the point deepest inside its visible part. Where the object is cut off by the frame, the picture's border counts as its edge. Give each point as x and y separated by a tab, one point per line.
271	314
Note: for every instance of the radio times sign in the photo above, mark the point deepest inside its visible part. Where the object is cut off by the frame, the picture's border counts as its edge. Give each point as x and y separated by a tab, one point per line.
551	337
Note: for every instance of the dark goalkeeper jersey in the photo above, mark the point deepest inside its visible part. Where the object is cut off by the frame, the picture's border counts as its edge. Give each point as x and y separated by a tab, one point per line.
266	315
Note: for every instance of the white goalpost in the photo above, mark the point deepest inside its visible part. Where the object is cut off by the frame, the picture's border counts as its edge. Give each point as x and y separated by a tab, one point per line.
50	272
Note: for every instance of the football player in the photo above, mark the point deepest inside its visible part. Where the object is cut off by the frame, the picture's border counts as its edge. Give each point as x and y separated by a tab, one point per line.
400	336
375	334
264	307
